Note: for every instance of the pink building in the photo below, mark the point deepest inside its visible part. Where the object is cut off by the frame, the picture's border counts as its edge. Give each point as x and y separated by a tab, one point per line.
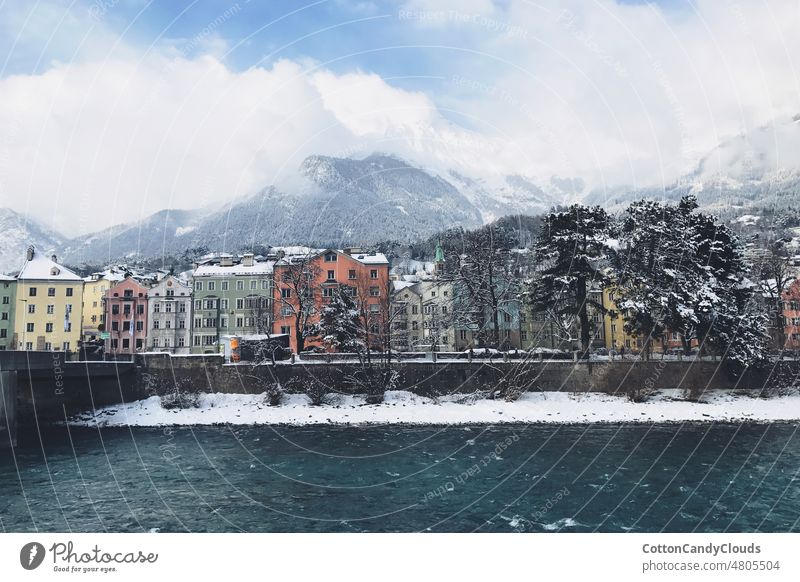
125	307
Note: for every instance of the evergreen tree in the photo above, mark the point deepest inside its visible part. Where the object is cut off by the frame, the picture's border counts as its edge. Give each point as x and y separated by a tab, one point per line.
571	247
339	326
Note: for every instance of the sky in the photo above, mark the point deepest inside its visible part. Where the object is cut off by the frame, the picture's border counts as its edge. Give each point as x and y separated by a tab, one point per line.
113	109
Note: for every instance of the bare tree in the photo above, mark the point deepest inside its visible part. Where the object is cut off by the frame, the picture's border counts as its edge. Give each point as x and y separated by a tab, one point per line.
296	282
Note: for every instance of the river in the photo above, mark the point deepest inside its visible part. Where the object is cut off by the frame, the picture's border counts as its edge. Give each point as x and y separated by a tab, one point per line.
525	478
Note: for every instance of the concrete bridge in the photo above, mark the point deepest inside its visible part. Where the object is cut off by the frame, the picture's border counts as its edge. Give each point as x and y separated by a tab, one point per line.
43	387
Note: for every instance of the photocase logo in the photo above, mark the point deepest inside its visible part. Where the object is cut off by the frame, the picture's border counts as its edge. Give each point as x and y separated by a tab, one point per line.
31	555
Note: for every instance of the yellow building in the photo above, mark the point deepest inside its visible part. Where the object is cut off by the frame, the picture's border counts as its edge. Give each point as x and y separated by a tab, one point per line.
94	289
48	305
614	324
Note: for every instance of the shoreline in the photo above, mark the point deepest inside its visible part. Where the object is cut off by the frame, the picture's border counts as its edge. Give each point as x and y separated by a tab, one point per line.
406	409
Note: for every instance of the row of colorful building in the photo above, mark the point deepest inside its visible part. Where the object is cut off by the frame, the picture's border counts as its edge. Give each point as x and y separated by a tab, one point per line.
409	307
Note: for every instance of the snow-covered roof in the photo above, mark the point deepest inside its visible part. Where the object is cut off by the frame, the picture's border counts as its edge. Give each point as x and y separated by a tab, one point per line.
371	258
255	269
400	285
41	268
6	278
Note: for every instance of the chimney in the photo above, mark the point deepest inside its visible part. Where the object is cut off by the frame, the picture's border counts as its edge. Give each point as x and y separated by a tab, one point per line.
247	260
29	253
226	261
54	258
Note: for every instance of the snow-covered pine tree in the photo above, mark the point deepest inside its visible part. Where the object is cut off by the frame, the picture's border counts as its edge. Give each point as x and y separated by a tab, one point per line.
339	326
571	247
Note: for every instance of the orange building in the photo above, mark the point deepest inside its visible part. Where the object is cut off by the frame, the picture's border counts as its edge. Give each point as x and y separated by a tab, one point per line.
303	283
791	316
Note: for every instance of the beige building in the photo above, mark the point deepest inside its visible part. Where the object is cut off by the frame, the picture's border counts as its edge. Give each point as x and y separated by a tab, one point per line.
49	303
422	316
94	289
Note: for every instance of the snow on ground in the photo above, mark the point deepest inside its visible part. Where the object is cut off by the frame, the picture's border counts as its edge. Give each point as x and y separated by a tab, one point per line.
406	408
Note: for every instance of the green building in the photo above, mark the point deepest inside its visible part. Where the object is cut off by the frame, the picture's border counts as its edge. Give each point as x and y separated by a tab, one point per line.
8	288
232	296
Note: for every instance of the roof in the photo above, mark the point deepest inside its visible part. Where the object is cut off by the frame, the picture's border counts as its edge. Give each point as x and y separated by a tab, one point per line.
6	278
42	268
264	268
371	258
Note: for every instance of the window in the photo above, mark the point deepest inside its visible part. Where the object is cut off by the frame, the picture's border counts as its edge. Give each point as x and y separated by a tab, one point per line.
240	285
198	285
68	326
181	324
428	309
48	328
65	346
433	293
155	342
31	308
140	309
170	293
212	286
29	327
32	292
240	303
140	325
167	307
414	325
211	304
331	275
126	343
198	322
327	292
181	342
285	329
114	326
51	291
182	306
6	300
115	309
444	309
286	293
168	324
94	319
523	335
166	342
351	274
224	286
157	307
445	340
330	257
253	285
286	310
126	309
48	346
414	309
198	305
126	325
223	322
373	273
264	284
507	317
463	334
223	304
374	308
374	291
29	346
69	291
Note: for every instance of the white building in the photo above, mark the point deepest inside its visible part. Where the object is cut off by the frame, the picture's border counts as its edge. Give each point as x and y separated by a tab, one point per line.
169	316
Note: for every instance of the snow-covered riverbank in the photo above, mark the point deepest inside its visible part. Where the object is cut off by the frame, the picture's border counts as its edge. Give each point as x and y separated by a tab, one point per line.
406	408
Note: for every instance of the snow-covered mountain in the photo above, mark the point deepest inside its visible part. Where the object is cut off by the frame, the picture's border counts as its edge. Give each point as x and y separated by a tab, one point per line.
332	201
17	233
755	168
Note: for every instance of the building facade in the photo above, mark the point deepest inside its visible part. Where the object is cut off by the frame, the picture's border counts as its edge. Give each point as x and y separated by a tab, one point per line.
169	316
8	288
125	309
48	305
93	315
316	277
791	316
232	296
